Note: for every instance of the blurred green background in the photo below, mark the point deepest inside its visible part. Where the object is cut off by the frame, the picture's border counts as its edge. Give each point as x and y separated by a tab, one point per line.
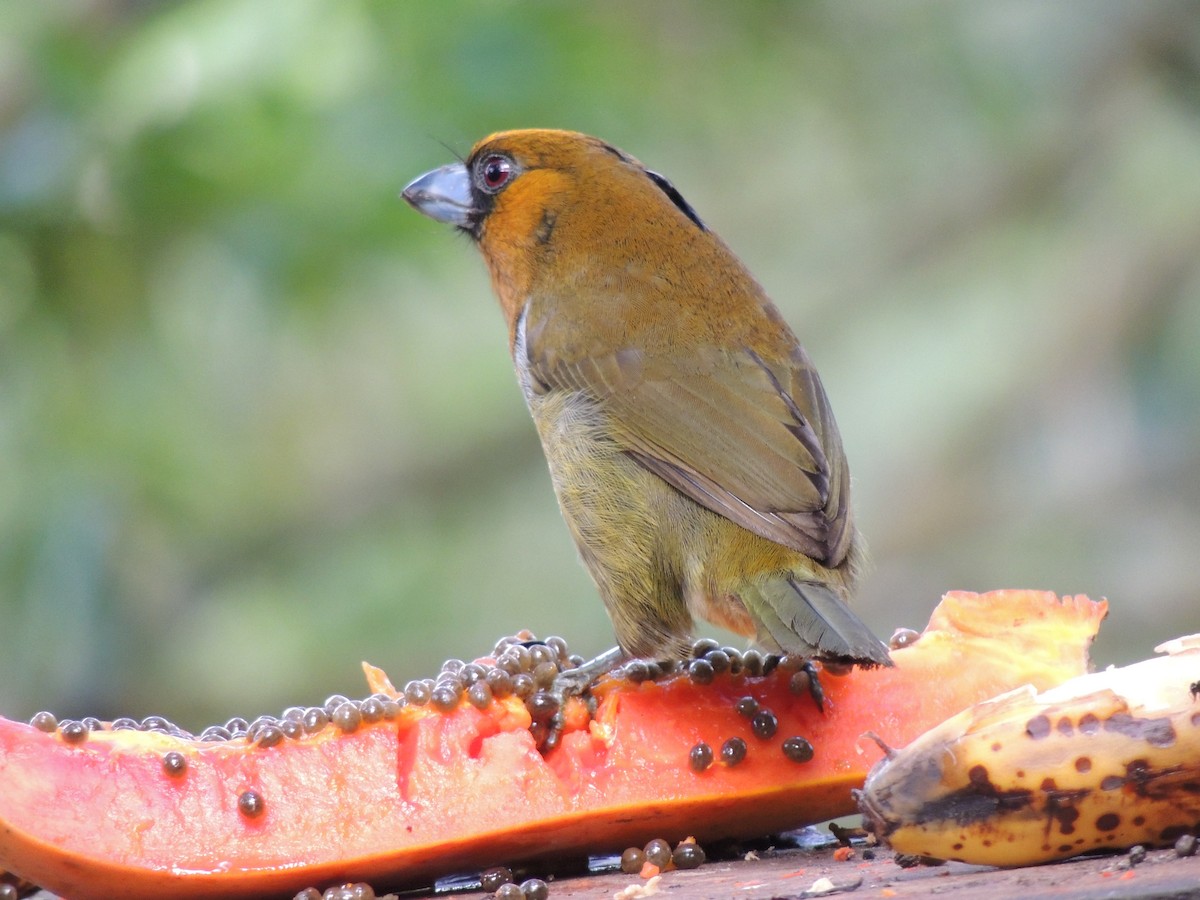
257	418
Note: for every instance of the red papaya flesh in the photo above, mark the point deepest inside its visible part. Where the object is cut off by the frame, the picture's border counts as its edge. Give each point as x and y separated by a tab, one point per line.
428	790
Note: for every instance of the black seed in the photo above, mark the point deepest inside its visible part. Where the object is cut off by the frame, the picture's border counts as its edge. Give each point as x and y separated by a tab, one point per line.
371	709
797	749
559	646
237	727
636	671
417	693
907	860
764	724
509	892
735	659
544	674
733	751
576	660
471	673
174	763
1186	845
332	702
251	804
155	723
836	668
800	683
445	696
703	647
500	682
719	660
392	707
268	736
515	660
73	732
746	707
523	685
790	662
124	723
868	854
491	879
44	721
292	730
903	637
479	695
752	662
542	705
347	717
1137	855
91	723
215	733
688	856
535	888
700	671
540	653
770	663
294	714
452	666
632	860
700	757
8	892
315	720
658	852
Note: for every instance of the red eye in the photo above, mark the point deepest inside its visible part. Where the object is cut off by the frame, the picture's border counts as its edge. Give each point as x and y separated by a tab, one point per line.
494	172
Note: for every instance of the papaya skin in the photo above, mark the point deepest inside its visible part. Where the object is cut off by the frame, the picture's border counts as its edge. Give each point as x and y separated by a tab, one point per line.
428	793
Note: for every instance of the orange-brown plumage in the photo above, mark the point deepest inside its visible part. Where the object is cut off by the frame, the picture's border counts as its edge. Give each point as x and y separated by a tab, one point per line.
691	444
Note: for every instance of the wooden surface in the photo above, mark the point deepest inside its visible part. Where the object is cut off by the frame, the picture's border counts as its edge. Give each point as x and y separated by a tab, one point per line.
792	874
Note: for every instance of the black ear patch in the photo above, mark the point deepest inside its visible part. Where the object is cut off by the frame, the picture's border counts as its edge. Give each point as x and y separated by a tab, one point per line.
677	198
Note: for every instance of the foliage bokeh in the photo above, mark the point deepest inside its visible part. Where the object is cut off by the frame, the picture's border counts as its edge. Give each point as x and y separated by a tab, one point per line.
257	419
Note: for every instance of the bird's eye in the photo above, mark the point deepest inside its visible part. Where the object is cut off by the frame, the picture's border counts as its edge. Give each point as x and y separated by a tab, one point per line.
494	173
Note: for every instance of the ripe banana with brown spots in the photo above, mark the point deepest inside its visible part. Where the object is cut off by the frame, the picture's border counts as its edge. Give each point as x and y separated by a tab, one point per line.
1103	761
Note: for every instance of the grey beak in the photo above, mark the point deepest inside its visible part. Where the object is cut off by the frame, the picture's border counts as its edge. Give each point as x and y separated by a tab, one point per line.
443	194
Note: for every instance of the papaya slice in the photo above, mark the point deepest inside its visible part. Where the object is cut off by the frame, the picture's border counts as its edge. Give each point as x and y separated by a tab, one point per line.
461	784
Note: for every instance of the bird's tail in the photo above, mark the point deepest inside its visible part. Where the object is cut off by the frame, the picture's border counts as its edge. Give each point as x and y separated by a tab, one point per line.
811	619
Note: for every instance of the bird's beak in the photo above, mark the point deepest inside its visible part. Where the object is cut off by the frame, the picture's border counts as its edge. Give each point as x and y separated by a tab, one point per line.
443	194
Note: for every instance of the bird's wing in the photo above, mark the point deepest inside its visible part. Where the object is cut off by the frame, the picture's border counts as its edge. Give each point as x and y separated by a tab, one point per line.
751	440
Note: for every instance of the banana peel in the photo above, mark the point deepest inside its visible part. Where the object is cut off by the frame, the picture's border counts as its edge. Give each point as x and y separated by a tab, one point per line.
1102	761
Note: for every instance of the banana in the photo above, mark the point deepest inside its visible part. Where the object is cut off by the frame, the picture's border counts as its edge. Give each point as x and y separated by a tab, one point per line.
1102	761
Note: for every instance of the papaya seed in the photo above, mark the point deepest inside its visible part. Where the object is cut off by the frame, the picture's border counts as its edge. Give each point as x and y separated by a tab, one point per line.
174	763
700	671
509	891
746	707
491	879
535	889
798	749
702	648
764	724
124	723
44	721
688	855
632	860
155	723
73	732
371	709
658	853
333	701
719	660
733	751
700	757
347	717
315	720
417	693
479	695
251	804
903	637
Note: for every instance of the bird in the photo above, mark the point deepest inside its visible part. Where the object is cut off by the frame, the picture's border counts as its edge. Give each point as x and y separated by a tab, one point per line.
690	441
